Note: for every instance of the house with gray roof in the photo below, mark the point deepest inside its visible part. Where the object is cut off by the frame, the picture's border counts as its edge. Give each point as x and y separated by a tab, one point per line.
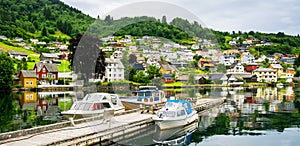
48	57
46	71
17	55
265	75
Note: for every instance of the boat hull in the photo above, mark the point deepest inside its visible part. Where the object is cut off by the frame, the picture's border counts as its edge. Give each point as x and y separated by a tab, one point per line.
79	115
135	105
165	124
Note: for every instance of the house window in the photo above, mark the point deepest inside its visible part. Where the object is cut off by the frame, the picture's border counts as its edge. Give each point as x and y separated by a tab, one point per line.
120	75
114	75
44	76
109	75
44	69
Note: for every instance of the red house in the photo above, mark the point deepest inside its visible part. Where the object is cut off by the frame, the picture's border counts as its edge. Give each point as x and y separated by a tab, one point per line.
46	71
251	67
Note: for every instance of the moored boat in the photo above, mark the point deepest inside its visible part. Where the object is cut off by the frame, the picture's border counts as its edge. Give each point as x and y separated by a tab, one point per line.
145	96
175	113
94	104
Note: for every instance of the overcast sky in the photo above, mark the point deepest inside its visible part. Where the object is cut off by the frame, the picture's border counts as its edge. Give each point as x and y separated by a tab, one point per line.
225	15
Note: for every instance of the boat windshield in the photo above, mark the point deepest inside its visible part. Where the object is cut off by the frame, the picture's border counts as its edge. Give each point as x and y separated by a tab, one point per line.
82	106
166	114
170	104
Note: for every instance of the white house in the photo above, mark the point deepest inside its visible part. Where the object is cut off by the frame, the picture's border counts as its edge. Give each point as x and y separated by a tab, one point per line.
247	58
227	59
17	55
238	68
114	70
265	74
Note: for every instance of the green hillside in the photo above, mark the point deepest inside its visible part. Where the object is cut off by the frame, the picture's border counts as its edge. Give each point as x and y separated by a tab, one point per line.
43	19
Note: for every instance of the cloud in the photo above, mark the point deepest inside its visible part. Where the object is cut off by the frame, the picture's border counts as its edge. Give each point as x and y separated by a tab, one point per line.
229	15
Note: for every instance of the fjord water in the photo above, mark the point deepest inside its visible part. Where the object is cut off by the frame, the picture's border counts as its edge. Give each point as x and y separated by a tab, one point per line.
249	117
256	116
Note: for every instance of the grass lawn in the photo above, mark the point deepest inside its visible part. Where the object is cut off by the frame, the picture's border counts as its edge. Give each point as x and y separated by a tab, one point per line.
20	49
64	66
200	71
173	84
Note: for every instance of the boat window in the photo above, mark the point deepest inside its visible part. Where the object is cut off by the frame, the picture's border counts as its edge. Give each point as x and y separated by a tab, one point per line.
114	100
180	113
148	94
87	106
141	94
169	104
79	106
97	106
134	93
170	114
104	98
106	105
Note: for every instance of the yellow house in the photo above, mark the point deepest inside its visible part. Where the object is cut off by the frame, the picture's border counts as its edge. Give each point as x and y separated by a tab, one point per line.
168	69
30	97
28	78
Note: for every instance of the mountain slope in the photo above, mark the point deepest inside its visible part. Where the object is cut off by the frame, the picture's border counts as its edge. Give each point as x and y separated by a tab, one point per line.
40	18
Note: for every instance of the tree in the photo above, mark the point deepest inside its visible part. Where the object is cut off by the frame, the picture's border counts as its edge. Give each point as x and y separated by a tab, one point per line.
86	58
140	77
44	31
100	65
221	68
7	72
297	61
191	79
132	59
164	19
153	71
72	48
132	73
126	63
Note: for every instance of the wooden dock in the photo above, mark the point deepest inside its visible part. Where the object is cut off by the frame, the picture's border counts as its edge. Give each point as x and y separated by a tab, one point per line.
90	130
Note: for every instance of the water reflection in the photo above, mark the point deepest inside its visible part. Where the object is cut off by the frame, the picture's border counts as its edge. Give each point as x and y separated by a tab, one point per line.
260	116
22	110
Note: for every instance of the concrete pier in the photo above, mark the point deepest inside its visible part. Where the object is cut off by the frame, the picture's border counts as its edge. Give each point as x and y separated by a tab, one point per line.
90	130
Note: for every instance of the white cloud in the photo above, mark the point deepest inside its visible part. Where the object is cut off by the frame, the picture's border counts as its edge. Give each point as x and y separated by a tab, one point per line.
245	15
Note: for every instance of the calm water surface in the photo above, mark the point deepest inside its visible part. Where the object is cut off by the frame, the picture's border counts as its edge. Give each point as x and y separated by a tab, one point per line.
259	116
250	117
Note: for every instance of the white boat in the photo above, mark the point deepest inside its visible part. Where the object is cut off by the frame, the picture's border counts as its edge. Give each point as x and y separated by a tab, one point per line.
94	104
175	113
145	96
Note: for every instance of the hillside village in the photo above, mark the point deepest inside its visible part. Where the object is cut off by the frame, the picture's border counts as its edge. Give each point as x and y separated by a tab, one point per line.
201	62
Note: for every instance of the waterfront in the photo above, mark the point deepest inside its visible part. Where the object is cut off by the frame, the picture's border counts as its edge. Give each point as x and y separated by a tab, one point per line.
249	115
270	116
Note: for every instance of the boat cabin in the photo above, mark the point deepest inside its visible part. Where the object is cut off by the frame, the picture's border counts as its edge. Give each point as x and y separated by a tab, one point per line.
175	108
148	95
97	101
